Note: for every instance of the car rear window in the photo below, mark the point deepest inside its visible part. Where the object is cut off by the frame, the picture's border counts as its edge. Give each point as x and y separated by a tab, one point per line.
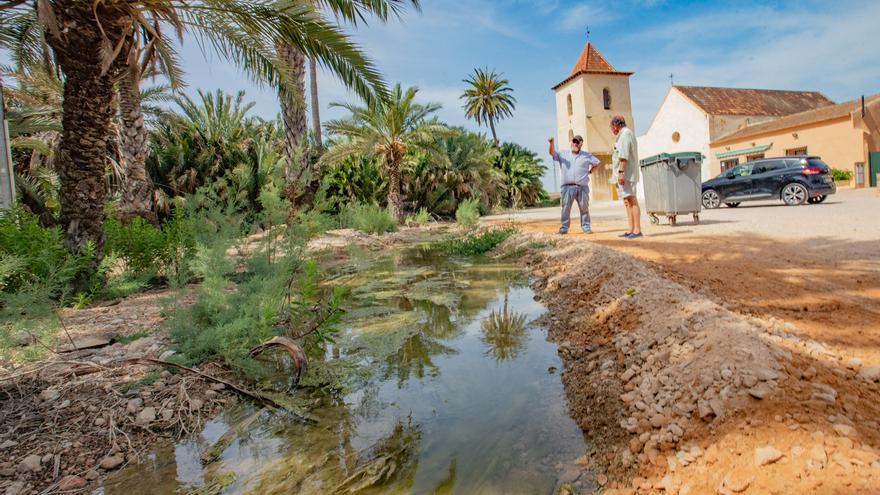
817	163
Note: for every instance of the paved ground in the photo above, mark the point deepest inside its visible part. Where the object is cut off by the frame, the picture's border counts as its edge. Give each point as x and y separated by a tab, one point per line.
817	266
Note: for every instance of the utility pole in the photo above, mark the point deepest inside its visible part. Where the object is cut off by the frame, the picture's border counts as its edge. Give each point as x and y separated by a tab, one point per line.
7	178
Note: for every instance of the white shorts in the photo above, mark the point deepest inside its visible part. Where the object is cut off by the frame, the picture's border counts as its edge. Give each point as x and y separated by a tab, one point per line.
626	190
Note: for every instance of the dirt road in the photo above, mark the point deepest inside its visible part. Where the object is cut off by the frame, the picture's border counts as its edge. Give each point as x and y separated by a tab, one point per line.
815	266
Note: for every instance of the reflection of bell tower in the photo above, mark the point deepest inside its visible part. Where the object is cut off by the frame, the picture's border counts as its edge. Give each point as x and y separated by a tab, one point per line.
586	100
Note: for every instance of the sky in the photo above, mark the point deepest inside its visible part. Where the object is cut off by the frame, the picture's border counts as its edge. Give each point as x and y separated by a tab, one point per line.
824	46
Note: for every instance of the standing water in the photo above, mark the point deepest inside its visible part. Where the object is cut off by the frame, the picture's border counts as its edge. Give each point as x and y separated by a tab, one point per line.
441	381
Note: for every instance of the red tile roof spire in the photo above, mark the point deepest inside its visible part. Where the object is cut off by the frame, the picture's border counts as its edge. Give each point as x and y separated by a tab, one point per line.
591	61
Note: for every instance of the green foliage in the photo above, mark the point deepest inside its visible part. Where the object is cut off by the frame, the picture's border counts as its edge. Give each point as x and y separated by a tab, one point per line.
369	218
521	173
137	242
34	257
841	175
476	243
237	308
468	213
356	179
421	218
488	98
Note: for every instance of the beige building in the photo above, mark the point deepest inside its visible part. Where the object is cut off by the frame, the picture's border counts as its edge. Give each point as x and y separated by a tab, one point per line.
586	101
837	133
691	117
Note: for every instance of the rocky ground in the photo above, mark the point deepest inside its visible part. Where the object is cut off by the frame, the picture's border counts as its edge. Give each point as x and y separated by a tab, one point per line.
87	409
681	393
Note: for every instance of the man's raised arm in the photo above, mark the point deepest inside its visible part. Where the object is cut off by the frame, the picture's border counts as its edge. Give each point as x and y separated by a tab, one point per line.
552	148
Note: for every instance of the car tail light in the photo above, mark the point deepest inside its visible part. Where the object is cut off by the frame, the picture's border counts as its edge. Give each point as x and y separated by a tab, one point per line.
813	170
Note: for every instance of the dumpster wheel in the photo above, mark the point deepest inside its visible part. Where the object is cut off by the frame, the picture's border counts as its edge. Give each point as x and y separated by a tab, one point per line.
653	218
673	220
697	218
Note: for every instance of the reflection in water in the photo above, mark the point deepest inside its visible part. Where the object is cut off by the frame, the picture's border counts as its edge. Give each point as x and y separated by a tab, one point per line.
434	385
504	331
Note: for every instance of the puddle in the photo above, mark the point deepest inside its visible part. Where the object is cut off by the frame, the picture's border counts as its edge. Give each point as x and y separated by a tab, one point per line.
451	388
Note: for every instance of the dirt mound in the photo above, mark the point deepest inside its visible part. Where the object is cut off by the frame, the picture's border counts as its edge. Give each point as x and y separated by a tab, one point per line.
681	394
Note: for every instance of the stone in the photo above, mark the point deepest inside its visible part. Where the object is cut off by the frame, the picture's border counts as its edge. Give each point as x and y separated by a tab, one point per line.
841	461
735	482
870	373
844	429
92	475
602	480
196	404
30	463
676	430
49	394
726	374
703	409
100	421
134	405
147	416
15	488
47	458
818	456
627	375
659	421
71	482
112	462
760	391
165	355
167	414
570	474
766	455
809	373
87	342
766	374
749	380
717	407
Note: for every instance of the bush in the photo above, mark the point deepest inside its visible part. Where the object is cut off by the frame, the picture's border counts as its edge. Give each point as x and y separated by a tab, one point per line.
369	218
478	242
422	217
33	256
468	213
841	175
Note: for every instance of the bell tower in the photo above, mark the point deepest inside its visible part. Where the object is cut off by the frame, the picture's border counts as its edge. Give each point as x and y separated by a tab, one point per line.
586	100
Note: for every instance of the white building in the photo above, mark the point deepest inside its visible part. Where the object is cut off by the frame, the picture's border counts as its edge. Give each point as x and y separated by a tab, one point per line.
691	117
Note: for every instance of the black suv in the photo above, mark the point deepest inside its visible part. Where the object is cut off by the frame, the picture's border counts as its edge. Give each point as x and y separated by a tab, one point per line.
793	179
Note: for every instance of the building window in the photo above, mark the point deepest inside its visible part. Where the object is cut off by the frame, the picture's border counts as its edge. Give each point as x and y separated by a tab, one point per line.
860	174
796	152
728	164
606	98
676	137
570	135
570	106
754	157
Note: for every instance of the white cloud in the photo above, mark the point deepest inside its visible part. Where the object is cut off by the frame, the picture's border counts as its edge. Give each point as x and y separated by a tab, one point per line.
580	16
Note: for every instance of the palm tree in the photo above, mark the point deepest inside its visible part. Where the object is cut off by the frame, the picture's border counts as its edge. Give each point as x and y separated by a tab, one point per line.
293	106
386	131
488	99
93	42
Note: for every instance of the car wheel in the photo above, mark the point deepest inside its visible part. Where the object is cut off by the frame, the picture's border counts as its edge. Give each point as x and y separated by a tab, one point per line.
794	194
817	199
732	205
711	199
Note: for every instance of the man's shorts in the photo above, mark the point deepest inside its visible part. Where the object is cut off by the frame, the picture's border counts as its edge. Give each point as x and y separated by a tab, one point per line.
626	190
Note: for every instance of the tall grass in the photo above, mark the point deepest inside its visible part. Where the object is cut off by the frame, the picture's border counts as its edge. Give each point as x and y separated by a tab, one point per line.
468	213
369	218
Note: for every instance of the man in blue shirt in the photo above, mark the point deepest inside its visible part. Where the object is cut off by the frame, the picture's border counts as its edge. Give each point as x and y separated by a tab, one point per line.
576	166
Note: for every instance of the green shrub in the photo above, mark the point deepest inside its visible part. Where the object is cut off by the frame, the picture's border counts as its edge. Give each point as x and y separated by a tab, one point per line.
478	242
841	175
32	256
136	242
422	217
369	218
468	213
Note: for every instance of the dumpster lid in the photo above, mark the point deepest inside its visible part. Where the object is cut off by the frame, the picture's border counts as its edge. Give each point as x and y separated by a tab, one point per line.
666	157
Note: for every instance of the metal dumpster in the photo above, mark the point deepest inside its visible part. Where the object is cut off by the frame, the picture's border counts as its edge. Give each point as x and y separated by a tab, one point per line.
672	185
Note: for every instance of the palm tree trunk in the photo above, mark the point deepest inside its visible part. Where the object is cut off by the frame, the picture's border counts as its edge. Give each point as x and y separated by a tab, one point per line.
293	114
316	114
137	188
86	114
395	201
494	135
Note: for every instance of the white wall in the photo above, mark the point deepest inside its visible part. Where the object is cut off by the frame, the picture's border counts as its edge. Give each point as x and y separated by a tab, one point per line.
677	114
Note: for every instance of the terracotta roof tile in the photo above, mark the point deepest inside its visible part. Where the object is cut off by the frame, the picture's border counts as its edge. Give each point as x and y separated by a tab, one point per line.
763	102
591	61
799	119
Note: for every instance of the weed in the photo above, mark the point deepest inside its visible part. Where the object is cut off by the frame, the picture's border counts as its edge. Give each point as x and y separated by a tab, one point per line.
369	218
478	242
468	213
128	339
422	217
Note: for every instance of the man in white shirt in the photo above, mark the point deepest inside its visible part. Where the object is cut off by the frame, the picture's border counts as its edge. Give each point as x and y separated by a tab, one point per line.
576	166
625	163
